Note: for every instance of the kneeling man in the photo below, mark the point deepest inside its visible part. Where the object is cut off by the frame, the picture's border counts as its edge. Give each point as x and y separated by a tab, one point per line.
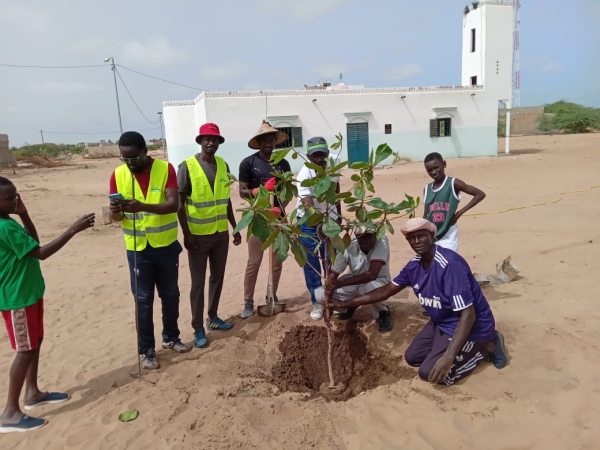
461	332
367	260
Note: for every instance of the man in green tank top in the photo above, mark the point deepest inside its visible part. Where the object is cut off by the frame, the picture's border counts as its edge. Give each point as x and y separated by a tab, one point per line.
441	200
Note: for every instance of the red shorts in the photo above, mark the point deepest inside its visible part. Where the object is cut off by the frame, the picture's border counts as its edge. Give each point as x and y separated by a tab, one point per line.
25	326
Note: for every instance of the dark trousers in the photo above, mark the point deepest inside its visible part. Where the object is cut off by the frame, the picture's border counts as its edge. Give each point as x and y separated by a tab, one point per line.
156	267
212	250
431	344
312	268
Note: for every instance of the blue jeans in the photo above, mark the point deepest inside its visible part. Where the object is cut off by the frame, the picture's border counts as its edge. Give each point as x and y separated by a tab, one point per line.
156	267
313	267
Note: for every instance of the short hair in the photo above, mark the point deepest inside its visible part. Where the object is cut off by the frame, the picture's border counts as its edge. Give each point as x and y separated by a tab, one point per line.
5	182
132	139
433	156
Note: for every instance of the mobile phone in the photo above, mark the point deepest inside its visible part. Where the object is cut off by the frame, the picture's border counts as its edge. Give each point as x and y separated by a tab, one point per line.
116	199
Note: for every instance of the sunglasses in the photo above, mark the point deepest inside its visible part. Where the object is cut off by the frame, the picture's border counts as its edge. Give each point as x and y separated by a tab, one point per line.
131	160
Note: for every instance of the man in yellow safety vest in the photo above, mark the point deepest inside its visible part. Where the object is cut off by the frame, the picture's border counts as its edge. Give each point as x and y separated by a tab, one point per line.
204	213
149	222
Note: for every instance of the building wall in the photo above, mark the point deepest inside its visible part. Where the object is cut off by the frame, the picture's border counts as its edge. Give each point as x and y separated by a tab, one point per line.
523	120
181	130
492	60
102	151
473	113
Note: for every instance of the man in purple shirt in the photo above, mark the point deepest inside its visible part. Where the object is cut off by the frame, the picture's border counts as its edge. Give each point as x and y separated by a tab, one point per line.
461	332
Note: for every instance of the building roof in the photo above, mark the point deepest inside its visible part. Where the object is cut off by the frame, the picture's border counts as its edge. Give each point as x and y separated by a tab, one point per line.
323	92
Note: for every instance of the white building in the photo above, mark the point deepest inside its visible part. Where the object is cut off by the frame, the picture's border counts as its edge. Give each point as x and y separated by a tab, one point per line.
456	121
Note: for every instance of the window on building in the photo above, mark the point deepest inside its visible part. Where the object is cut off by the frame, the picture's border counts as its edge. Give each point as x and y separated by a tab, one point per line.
473	35
388	128
474	81
440	127
294	134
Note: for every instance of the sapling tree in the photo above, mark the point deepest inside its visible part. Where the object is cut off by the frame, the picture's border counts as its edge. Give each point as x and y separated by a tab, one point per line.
333	236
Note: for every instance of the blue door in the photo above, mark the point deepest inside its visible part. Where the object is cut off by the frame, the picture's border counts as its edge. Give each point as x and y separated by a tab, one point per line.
358	142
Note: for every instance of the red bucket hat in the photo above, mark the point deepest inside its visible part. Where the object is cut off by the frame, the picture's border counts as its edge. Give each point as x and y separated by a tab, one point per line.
209	129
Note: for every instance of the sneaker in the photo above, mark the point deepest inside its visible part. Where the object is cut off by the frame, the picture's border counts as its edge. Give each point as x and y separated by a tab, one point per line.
498	356
385	321
50	398
149	362
177	346
200	340
316	313
248	310
25	424
218	324
347	315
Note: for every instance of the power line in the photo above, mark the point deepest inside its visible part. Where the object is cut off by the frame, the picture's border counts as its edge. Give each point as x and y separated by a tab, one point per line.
50	67
160	79
94	132
131	97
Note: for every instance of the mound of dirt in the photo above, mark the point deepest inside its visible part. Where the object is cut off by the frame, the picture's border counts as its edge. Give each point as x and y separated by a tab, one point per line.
303	364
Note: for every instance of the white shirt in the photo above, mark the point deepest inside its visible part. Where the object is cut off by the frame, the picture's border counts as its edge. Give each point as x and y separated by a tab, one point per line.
357	262
307	173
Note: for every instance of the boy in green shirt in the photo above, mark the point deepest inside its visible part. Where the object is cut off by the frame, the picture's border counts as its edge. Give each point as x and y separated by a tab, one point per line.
21	302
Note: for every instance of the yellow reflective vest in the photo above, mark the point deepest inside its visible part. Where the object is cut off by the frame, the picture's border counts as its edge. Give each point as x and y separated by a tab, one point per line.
207	210
160	230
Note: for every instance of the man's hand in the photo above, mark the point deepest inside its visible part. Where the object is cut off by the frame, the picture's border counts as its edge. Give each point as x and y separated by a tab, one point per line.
190	243
237	239
455	218
331	286
83	223
20	210
132	206
441	368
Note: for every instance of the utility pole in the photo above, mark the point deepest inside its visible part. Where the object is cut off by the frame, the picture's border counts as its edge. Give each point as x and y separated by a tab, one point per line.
42	134
114	70
160	116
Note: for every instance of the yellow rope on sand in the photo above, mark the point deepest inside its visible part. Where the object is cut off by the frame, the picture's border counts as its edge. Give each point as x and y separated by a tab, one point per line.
560	197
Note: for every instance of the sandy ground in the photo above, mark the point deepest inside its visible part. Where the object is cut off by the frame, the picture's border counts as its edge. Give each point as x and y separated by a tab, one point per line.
547	398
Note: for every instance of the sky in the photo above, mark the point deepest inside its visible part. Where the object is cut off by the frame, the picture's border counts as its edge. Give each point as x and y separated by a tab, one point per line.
257	44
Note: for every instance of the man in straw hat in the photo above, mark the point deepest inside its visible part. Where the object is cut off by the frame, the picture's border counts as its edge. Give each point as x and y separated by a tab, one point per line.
367	260
461	332
204	213
255	170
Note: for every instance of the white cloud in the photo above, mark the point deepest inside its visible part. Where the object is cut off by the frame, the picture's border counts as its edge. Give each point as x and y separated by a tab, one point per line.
330	70
404	71
303	9
154	51
543	64
222	72
14	13
64	87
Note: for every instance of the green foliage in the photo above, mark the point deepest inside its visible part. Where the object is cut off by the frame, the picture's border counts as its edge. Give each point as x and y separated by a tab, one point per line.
569	117
359	200
154	147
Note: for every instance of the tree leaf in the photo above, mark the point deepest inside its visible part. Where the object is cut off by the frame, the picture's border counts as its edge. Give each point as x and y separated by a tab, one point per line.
284	244
372	215
380	231
269	240
309	182
339	166
361	214
359	165
343	195
378	203
330	195
350	200
359	190
295	155
314	219
314	167
299	252
244	221
382	153
331	228
347	240
338	244
278	155
355	177
322	185
389	227
260	228
128	416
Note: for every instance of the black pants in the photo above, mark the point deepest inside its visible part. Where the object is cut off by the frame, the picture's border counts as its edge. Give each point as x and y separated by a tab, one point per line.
156	268
212	249
431	344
